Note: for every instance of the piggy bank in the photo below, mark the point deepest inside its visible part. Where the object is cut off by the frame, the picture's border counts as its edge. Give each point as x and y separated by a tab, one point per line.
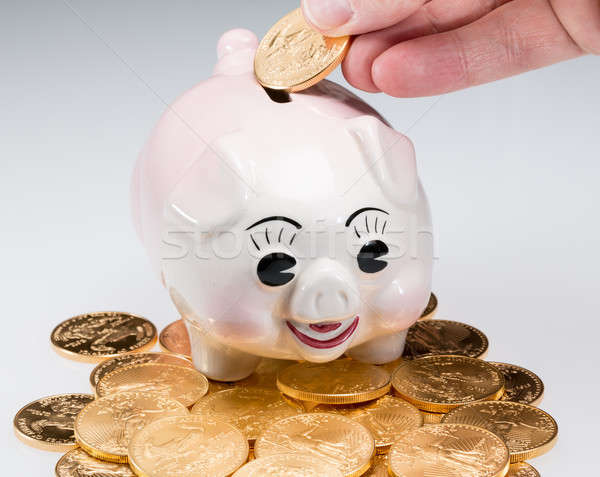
289	226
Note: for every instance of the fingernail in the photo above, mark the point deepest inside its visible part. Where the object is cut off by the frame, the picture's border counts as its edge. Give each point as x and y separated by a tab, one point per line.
327	14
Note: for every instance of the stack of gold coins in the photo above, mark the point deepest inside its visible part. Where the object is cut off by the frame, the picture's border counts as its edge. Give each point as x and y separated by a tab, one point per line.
341	418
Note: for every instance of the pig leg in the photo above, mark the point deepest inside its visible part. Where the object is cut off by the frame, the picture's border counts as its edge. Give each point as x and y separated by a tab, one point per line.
381	350
218	361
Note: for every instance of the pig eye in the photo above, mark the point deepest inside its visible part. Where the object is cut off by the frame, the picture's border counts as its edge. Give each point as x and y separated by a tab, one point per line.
272	268
369	254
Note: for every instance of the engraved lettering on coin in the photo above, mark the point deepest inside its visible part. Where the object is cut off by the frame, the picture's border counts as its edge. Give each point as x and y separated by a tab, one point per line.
185	385
108	366
449	451
527	430
175	339
48	422
78	463
105	427
190	446
342	381
521	384
251	410
97	336
441	383
335	439
288	465
386	419
292	56
522	469
440	337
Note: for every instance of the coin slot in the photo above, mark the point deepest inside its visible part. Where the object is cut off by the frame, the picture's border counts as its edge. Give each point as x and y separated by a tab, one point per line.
278	96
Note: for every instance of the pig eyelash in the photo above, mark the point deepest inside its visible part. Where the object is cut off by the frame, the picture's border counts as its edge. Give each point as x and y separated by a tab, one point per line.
368	228
254	242
268	238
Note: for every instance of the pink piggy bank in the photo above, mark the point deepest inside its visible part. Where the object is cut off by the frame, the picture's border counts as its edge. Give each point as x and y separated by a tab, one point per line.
293	228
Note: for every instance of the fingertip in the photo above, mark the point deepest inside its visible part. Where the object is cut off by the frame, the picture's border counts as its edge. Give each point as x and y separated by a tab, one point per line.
326	16
387	74
357	65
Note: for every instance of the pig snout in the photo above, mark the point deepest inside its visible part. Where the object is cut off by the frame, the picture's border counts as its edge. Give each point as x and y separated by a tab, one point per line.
325	291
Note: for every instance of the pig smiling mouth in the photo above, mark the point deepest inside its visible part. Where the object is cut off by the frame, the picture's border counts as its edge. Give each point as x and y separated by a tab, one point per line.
324	328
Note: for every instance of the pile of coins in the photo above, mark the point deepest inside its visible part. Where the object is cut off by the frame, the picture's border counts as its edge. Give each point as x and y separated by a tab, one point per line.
439	410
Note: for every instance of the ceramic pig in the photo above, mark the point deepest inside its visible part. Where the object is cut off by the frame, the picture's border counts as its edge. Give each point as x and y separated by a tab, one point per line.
293	228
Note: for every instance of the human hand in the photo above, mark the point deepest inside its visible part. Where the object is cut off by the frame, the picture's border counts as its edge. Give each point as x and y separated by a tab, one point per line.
410	48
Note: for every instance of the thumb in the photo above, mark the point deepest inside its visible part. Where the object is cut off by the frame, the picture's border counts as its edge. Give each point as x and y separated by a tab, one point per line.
352	17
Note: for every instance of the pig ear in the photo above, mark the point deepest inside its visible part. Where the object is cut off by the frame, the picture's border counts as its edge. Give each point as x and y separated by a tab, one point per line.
389	155
236	50
212	193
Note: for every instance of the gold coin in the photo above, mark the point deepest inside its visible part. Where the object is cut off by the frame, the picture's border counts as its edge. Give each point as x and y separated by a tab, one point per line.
522	469
78	463
379	467
251	410
288	465
185	385
174	339
264	376
432	417
111	364
439	337
47	423
97	336
521	384
431	308
104	427
343	381
528	431
190	446
449	450
292	56
386	419
335	439
441	383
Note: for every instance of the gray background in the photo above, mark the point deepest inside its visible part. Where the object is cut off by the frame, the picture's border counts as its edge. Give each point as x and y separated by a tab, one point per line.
511	169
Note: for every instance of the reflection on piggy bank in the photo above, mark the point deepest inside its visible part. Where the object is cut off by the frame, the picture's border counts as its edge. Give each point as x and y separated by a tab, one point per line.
292	228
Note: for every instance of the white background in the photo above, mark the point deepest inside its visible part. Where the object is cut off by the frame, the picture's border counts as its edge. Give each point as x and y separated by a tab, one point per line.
511	170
